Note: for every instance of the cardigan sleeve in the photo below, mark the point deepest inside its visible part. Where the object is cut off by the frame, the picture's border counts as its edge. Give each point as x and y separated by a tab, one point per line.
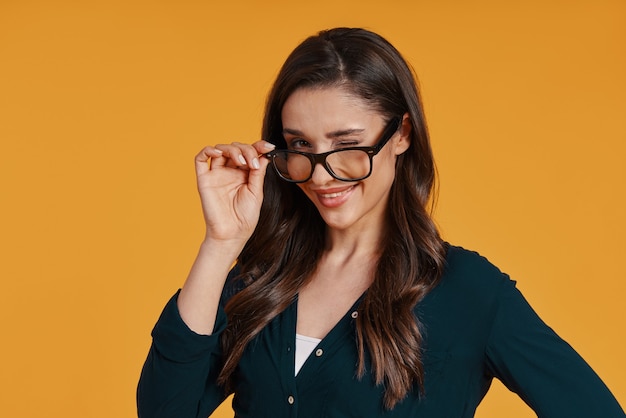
178	379
545	371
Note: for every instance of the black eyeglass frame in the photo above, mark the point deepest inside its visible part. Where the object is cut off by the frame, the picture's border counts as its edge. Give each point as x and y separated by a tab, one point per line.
388	133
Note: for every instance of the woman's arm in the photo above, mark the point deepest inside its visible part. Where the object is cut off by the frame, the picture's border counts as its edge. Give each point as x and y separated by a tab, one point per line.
179	376
545	371
230	183
178	379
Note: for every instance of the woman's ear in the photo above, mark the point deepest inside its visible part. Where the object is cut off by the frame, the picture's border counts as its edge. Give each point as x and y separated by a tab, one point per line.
403	138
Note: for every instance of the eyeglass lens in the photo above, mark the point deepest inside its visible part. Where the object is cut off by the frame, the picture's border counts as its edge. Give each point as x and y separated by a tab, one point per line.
343	164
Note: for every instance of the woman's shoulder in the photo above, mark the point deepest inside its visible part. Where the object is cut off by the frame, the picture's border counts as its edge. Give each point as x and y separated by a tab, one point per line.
469	273
469	265
465	301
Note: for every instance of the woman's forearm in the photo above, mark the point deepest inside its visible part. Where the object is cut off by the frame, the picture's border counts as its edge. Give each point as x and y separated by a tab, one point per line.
199	298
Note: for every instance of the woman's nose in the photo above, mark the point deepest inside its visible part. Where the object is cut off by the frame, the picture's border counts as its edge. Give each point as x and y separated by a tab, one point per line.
320	175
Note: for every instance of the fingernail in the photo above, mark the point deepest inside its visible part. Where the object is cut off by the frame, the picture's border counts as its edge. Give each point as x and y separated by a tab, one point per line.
269	145
255	163
241	159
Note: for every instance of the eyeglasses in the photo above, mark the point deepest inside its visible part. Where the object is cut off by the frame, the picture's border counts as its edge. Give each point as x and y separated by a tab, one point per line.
345	164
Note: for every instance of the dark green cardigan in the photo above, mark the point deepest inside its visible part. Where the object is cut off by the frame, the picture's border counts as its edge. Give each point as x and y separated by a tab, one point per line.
477	326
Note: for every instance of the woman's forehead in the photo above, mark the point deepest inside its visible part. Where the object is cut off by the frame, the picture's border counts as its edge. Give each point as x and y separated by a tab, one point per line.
332	107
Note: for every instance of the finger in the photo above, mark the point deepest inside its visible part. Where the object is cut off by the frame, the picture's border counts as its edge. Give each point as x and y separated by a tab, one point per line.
256	177
208	152
252	153
203	157
245	156
263	147
238	154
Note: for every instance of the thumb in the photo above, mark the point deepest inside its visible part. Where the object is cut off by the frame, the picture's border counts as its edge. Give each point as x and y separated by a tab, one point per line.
256	177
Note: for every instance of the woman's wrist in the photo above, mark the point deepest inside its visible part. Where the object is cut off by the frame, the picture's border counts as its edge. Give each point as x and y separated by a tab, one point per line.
223	249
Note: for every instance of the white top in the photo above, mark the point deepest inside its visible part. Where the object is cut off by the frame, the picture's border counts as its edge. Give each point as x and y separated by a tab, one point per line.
304	347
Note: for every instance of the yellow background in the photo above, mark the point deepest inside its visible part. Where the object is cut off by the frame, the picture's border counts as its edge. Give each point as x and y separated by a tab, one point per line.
104	104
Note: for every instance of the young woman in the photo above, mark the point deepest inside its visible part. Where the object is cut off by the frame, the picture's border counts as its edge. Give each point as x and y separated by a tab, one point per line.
344	301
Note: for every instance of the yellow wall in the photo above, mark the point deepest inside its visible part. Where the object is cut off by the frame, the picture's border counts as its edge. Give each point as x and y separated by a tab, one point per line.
104	104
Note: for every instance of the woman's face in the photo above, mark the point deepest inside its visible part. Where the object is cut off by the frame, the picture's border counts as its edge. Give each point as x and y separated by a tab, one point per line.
318	120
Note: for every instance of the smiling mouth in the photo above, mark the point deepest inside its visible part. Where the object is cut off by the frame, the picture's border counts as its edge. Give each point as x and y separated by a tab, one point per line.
336	194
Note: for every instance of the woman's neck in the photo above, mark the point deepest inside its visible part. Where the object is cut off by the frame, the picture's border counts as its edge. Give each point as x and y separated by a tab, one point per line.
348	245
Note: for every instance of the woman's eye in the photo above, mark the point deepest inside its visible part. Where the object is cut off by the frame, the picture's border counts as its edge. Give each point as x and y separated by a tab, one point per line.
298	143
344	144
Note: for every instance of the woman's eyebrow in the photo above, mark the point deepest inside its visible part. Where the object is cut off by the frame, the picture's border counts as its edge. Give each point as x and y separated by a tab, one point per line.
334	134
293	132
344	132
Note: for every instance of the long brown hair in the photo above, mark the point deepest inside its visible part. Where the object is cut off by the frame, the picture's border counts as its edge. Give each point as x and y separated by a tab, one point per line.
289	239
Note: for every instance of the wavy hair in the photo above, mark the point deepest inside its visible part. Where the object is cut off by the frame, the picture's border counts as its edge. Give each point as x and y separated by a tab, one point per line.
289	239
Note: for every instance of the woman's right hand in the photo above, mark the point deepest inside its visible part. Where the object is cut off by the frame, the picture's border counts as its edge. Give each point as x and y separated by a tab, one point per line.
230	182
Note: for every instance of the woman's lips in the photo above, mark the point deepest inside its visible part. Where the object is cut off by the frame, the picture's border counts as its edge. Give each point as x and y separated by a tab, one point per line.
332	198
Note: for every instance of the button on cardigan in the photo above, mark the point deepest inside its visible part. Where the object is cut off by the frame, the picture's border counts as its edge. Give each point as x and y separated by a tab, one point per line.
477	326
